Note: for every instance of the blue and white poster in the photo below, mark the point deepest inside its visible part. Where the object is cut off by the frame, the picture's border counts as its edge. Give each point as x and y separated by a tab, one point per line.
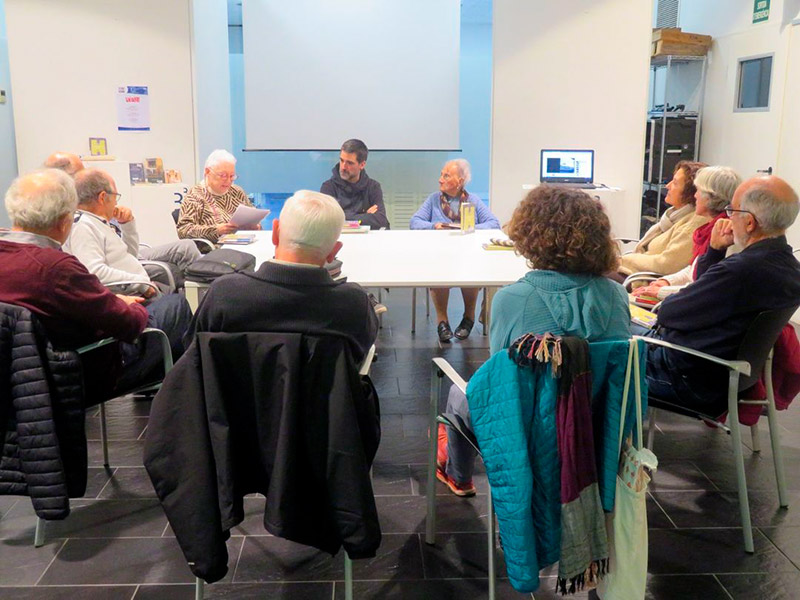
133	108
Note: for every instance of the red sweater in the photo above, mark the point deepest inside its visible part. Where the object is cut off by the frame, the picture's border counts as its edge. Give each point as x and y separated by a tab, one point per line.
71	303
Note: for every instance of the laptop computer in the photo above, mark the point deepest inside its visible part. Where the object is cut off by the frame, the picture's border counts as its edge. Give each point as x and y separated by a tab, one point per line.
572	168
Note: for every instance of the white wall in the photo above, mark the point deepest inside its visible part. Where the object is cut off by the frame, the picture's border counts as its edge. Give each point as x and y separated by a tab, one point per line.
572	75
67	58
8	153
211	77
749	141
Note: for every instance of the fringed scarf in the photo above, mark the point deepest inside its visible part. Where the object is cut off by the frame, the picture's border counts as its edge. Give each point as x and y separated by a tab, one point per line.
444	201
584	544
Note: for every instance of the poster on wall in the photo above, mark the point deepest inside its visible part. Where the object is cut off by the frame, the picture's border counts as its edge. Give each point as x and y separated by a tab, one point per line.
133	108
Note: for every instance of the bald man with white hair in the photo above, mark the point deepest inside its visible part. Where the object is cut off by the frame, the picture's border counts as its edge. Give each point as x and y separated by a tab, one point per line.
713	314
293	291
70	163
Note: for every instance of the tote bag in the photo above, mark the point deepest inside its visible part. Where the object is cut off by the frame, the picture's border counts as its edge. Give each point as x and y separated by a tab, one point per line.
627	524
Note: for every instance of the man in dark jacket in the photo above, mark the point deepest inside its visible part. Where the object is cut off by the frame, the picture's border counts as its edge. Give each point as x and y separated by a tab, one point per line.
713	314
360	197
293	292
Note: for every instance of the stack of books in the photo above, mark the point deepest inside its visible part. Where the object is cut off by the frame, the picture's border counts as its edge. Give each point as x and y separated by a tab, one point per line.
239	239
499	244
354	227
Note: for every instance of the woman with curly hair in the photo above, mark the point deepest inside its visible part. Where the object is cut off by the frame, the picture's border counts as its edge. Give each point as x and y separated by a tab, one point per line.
566	237
667	245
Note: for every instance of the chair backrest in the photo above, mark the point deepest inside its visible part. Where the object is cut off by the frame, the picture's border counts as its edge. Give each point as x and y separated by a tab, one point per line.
759	340
176	215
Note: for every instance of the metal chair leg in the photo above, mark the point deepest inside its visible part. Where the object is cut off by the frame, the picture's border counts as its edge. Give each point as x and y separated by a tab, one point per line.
433	435
38	536
428	302
348	577
413	310
651	428
104	433
775	436
755	438
199	589
492	535
741	477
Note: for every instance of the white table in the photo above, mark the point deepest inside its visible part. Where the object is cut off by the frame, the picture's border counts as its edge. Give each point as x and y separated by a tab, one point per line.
404	258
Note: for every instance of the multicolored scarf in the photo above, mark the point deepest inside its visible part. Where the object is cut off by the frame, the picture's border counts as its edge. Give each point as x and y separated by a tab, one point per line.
444	200
584	543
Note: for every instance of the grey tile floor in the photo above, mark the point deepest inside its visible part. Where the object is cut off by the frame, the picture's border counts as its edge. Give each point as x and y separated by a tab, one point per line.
117	544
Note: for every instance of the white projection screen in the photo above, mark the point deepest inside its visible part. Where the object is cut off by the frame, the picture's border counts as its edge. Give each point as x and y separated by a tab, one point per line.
384	71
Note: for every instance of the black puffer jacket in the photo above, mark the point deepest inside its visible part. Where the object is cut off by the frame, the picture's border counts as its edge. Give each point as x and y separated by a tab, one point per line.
41	415
282	414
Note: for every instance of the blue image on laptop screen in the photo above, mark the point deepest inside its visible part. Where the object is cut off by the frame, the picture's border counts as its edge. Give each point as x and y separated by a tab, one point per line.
567	166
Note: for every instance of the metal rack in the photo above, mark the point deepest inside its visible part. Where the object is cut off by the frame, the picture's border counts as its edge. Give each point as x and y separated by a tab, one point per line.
669	62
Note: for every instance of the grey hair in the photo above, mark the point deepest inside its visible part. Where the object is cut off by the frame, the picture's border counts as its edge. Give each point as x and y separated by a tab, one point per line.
219	156
89	183
717	184
464	170
37	200
774	215
311	222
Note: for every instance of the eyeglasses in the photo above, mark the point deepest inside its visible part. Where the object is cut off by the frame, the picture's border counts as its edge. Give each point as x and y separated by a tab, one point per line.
225	176
117	194
729	210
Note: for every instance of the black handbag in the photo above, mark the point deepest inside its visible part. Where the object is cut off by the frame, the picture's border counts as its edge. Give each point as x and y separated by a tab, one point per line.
216	263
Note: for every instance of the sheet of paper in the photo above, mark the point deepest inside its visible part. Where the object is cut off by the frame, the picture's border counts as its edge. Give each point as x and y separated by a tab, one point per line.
245	216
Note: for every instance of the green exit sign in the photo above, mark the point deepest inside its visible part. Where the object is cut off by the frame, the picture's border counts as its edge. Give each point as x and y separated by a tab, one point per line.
760	11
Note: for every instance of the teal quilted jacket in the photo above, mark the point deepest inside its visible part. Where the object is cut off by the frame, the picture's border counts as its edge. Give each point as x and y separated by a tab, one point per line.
513	414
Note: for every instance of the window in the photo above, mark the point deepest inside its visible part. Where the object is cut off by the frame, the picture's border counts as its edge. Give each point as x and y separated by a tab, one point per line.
754	79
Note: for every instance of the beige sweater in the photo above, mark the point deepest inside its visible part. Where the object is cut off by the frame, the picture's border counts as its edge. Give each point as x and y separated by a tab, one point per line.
667	252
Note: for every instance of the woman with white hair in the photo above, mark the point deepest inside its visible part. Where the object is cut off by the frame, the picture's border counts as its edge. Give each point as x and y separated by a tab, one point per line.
442	210
714	191
207	208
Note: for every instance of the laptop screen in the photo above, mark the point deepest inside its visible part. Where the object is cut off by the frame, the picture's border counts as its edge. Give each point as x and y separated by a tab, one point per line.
567	166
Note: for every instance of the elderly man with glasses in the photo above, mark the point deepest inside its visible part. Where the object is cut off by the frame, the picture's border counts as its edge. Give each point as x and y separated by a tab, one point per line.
105	239
207	208
713	314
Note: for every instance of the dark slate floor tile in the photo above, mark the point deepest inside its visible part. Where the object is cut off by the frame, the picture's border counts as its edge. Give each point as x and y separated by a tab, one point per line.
266	558
94	518
386	386
118	428
96	480
6	503
88	592
759	471
682	587
406	514
391	480
680	475
721	509
402	450
21	563
712	551
459	555
391	426
120	454
243	591
787	539
415	426
128	406
405	405
775	586
117	561
656	517
129	482
399	557
253	523
455	589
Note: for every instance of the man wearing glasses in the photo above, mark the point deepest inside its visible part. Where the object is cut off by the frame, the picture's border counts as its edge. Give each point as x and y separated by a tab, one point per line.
104	237
207	208
713	313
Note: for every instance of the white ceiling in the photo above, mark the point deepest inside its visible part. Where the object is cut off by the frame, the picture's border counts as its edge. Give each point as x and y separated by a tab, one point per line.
472	11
